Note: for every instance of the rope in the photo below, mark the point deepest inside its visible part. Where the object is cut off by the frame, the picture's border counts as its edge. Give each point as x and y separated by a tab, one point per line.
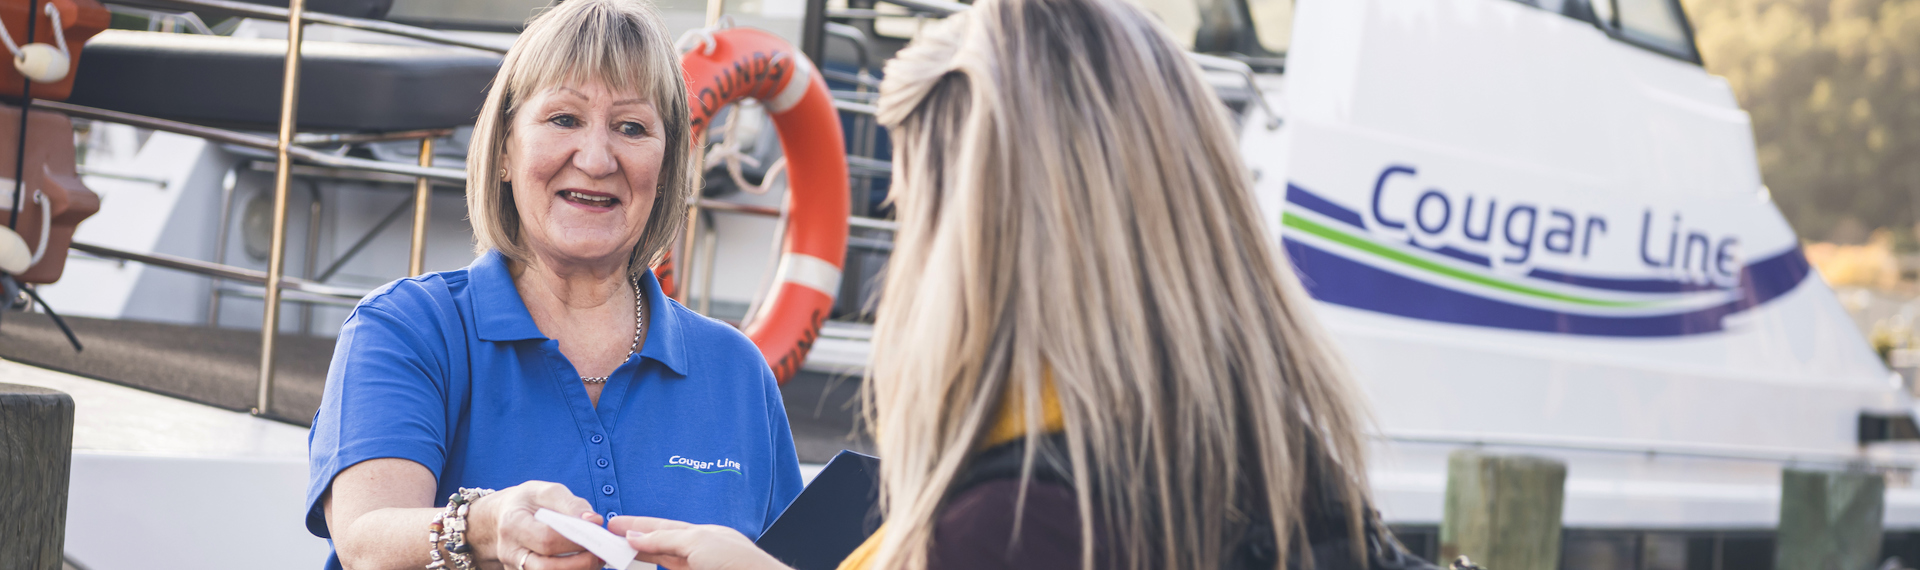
697	37
728	153
26	103
46	227
59	35
12	47
702	37
56	316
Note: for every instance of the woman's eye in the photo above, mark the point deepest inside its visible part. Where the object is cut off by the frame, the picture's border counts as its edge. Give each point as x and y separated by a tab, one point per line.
632	129
564	121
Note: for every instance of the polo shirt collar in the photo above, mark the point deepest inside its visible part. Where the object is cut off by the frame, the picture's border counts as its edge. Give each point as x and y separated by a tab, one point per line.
665	343
503	316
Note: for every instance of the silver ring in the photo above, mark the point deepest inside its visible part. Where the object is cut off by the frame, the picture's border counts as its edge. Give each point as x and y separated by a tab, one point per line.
523	558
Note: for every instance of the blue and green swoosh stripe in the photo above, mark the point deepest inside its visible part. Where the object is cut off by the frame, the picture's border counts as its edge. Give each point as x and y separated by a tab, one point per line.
1356	276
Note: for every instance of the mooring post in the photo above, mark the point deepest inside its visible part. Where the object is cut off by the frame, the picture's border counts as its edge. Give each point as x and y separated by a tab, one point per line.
1503	511
1830	520
36	453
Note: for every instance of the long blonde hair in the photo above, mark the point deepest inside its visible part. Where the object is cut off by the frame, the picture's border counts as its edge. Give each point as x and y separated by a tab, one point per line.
622	43
1072	206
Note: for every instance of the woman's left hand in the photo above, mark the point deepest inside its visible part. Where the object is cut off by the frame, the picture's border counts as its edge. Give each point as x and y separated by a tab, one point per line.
686	546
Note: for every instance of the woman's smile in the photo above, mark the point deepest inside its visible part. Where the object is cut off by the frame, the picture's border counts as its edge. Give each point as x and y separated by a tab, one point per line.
589	200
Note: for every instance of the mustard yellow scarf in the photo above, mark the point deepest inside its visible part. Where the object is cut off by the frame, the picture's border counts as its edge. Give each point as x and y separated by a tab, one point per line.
1010	425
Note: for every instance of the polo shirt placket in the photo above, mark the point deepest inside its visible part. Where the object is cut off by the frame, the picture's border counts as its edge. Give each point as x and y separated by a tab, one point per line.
595	429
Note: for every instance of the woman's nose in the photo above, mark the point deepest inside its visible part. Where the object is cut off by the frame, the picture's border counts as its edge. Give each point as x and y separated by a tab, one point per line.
595	157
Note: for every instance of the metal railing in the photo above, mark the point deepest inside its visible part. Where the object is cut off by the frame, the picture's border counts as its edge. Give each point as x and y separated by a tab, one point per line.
936	7
295	11
221	271
1724	452
286	147
290	146
237	138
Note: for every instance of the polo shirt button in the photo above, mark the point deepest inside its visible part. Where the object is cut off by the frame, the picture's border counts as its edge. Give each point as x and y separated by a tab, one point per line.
597	438
602	463
608	489
611	514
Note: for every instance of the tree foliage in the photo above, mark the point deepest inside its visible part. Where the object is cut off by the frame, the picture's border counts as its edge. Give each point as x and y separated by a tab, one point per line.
1834	90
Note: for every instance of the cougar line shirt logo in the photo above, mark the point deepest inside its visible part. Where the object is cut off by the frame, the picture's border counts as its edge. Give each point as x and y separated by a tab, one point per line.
721	465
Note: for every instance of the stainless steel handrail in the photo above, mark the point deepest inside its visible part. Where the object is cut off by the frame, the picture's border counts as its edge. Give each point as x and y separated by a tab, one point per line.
1646	448
936	7
873	223
422	198
1221	64
872	164
220	271
192	20
738	208
853	107
348	138
282	178
854	78
253	141
724	206
853	36
277	13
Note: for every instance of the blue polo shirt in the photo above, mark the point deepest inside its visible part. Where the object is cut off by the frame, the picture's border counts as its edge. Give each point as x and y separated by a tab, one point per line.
448	370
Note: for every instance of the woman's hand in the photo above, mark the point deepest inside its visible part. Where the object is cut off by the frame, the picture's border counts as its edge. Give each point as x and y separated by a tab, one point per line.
685	546
502	528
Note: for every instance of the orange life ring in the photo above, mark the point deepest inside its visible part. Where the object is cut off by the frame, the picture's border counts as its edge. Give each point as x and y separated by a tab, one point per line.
745	63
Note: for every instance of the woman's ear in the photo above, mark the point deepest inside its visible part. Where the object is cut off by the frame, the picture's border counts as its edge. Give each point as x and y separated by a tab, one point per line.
504	163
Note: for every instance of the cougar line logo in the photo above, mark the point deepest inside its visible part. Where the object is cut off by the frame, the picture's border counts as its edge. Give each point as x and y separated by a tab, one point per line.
721	465
1417	248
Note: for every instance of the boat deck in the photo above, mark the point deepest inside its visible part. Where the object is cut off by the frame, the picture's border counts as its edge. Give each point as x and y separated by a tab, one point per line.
220	368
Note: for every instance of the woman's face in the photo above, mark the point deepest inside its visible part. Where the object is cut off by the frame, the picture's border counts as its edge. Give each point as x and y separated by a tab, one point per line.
584	162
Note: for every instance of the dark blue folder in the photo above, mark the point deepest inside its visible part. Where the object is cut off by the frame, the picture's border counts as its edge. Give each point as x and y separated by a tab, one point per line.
830	518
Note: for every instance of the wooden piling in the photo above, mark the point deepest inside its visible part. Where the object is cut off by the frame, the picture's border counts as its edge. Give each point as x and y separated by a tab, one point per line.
1830	520
36	452
1503	511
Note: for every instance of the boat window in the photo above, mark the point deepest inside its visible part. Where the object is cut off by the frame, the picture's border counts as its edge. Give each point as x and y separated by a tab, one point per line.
1181	17
1255	31
904	26
1273	23
1656	24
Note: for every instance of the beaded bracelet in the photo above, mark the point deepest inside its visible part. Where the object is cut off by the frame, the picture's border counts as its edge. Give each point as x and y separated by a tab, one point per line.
448	531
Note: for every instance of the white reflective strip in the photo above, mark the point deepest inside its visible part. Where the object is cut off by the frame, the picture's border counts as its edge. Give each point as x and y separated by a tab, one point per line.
796	88
809	271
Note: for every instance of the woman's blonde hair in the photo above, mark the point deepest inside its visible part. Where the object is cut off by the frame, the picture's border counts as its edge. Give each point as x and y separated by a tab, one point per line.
1072	206
620	43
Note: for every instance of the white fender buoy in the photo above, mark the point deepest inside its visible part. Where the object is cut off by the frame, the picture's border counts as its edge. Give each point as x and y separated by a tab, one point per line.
42	63
39	62
14	257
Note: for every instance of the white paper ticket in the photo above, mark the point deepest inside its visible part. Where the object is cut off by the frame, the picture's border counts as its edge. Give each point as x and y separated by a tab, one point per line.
611	548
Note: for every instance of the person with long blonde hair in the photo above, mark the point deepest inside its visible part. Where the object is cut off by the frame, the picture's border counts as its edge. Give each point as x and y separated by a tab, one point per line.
1088	352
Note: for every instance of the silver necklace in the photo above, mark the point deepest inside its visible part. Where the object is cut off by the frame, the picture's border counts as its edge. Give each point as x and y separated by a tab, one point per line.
639	316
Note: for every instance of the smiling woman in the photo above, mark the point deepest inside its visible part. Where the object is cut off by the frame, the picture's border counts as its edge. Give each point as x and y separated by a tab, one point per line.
552	368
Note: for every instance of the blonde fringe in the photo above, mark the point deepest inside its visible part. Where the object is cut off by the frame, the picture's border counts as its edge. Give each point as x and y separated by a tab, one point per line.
621	43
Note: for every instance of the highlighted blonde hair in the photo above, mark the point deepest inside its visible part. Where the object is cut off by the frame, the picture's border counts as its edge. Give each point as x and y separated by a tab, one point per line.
1072	205
619	43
